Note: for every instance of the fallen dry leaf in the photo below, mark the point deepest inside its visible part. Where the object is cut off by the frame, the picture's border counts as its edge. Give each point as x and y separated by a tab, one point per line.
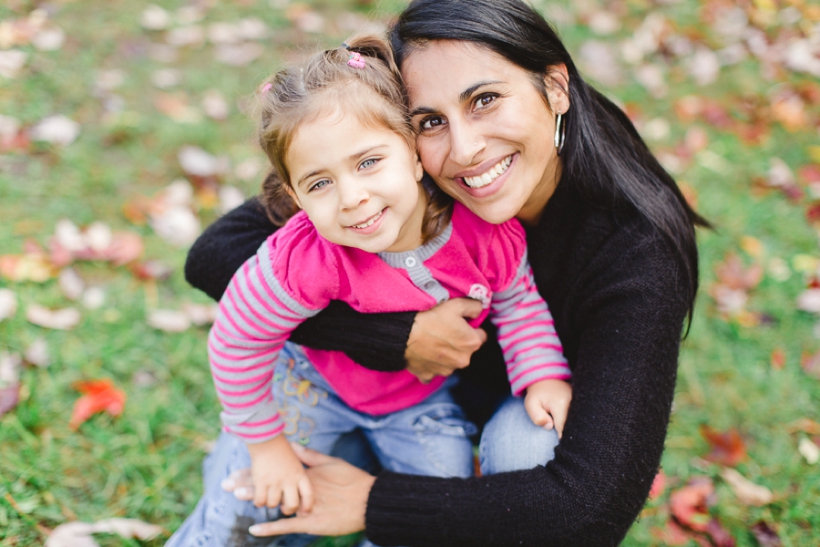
11	62
230	197
672	534
745	490
56	129
811	364
37	353
809	300
71	284
214	105
689	505
8	304
169	320
805	425
9	381
765	535
200	314
809	450
155	18
152	270
93	298
778	359
177	107
728	447
98	396
62	319
27	267
78	534
658	485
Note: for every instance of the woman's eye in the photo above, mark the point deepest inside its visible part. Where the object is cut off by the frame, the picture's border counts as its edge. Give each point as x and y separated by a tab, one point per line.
319	185
370	162
432	122
485	100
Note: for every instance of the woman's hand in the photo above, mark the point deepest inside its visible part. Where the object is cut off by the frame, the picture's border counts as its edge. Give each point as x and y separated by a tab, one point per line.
441	341
340	497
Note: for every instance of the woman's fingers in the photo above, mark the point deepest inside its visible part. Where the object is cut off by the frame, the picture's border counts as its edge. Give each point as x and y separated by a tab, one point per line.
295	525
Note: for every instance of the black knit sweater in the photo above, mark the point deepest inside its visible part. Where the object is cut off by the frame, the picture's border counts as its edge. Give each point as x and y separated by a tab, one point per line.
616	290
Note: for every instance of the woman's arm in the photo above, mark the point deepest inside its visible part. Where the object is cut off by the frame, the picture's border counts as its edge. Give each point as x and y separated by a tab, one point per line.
376	341
628	330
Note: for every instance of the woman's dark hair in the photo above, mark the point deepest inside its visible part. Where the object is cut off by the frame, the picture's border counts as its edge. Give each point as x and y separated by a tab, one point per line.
603	155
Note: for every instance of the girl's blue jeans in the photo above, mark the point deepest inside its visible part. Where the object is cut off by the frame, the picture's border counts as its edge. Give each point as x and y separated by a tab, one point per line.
430	438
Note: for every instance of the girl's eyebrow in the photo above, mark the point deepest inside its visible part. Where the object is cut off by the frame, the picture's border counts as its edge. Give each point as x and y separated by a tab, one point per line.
463	96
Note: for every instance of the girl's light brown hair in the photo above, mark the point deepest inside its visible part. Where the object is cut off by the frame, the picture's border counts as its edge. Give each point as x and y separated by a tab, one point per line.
320	85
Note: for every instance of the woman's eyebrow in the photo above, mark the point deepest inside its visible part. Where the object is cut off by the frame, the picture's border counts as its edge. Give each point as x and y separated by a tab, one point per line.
463	96
467	93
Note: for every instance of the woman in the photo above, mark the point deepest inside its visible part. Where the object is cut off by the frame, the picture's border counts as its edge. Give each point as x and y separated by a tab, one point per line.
612	245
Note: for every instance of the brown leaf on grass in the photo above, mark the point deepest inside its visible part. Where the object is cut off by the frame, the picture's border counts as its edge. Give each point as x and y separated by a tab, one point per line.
810	427
811	364
671	534
746	491
689	505
765	535
733	274
27	267
152	270
177	107
61	319
78	534
778	359
719	536
790	110
728	447
98	396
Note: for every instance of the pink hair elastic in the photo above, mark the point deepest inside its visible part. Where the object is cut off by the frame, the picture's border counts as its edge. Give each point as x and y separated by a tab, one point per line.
355	60
266	87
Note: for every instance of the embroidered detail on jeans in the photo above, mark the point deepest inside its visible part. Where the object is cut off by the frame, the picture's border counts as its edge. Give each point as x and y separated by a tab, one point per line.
300	388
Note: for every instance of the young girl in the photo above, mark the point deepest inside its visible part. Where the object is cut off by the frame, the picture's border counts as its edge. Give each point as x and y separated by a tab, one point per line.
370	234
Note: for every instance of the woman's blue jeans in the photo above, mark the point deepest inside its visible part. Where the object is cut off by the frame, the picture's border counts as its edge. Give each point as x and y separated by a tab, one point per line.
509	442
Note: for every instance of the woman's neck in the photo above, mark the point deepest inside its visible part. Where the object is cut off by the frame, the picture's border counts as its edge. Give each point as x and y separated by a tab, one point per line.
530	213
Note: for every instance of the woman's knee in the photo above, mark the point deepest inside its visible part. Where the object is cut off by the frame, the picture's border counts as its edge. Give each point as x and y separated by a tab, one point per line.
511	442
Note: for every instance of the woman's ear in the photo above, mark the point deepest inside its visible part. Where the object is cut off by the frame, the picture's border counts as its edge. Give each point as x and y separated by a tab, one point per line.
556	82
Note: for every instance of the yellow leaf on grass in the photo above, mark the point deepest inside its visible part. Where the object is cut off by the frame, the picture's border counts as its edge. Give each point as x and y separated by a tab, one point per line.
27	267
814	153
752	246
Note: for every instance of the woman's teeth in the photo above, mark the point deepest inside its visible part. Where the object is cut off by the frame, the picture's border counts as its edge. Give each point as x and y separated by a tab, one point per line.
369	222
493	173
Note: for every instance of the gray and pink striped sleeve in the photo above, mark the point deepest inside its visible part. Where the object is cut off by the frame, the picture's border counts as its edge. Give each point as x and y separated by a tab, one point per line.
255	318
526	333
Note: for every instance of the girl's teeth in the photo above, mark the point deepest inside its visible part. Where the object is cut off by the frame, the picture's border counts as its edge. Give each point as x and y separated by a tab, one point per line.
369	222
493	173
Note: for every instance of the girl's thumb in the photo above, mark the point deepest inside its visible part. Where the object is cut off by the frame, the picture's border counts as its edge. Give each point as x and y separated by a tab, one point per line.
309	457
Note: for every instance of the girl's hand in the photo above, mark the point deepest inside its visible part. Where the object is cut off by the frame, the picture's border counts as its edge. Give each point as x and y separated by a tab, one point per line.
341	492
547	403
441	341
279	479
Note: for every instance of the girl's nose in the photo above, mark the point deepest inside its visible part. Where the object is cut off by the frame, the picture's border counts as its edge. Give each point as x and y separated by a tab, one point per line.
352	194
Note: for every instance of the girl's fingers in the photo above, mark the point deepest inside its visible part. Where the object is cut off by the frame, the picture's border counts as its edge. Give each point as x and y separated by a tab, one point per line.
306	495
290	499
560	417
260	496
538	415
274	496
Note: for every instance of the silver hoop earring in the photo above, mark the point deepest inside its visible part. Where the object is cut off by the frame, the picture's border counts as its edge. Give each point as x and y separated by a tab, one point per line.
560	133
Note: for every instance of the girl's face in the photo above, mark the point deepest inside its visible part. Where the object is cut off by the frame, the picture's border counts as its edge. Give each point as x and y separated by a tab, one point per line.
486	135
358	184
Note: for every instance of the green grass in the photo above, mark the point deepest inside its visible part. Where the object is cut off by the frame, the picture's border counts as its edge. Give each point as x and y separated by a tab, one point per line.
145	464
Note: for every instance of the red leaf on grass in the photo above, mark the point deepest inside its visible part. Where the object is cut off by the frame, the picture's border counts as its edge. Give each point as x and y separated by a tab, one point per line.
9	397
811	364
733	274
672	534
778	359
98	396
689	504
719	535
658	485
728	447
765	535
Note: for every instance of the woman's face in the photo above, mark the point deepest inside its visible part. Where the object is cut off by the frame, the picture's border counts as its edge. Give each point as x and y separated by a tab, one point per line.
486	135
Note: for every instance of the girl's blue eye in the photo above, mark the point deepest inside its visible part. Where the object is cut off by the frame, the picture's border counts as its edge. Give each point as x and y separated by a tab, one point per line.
370	162
318	185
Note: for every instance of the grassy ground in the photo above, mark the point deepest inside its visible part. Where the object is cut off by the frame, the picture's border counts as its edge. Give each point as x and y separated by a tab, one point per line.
145	463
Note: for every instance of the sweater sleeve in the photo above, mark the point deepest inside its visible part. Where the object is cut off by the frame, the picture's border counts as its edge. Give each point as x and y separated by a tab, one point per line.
526	333
256	316
629	322
376	341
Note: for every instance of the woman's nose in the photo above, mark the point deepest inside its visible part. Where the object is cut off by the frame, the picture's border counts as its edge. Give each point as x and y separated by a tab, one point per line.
465	143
